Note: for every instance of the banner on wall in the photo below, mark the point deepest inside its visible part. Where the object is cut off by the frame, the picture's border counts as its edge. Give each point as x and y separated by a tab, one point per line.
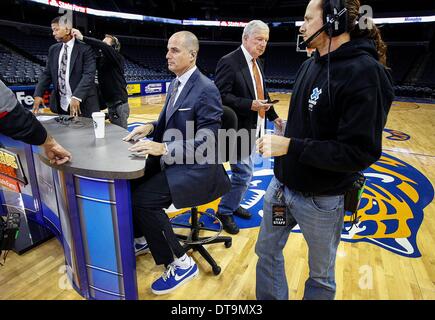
152	88
24	94
133	88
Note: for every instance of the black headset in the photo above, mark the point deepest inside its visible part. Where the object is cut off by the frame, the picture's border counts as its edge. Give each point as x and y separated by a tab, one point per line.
331	12
115	42
334	20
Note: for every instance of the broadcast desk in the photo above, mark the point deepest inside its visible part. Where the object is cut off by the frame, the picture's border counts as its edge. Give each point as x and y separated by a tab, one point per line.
84	203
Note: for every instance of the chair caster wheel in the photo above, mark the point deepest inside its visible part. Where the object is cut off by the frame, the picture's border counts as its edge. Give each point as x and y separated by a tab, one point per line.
228	244
216	270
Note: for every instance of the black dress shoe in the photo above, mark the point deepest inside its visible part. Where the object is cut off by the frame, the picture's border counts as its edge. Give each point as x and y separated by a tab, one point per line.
242	213
228	223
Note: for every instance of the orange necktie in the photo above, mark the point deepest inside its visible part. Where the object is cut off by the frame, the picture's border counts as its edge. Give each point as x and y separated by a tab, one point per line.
258	86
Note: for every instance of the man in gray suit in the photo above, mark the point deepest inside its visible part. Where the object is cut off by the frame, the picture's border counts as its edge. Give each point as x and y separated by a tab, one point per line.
241	82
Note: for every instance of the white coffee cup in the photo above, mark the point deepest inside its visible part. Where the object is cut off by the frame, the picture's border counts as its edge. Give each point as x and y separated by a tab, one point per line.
99	124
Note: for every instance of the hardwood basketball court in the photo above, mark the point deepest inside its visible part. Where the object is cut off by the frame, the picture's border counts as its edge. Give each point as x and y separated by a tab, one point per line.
365	269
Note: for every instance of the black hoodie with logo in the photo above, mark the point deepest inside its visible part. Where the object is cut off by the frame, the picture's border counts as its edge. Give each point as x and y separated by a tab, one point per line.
338	133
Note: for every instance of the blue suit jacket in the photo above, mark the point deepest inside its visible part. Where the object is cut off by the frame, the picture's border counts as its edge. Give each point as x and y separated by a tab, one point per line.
199	103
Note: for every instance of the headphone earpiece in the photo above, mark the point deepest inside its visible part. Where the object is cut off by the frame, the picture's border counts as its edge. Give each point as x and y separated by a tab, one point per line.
115	44
330	9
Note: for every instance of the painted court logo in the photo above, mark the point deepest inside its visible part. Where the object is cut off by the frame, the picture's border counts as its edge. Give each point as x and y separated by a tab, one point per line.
391	209
397	135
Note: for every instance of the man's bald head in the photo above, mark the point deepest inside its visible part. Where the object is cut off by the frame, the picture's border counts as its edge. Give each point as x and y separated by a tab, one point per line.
183	48
188	40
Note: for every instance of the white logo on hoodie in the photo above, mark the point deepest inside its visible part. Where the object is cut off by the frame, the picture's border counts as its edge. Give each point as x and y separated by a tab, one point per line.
315	95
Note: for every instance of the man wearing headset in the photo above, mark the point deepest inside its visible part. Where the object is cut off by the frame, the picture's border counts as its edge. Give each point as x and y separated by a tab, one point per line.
111	80
71	70
339	107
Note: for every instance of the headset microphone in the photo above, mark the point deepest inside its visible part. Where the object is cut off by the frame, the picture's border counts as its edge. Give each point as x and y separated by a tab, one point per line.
304	44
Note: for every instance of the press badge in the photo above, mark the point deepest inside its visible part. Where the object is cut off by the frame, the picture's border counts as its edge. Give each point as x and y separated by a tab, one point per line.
279	217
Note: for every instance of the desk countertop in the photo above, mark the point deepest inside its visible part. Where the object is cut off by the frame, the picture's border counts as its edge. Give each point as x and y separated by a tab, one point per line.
99	158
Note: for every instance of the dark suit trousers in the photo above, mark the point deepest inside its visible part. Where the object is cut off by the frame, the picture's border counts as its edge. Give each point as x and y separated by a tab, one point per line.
150	195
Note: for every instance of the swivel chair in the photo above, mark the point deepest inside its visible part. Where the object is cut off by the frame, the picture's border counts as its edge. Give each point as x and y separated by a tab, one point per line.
193	240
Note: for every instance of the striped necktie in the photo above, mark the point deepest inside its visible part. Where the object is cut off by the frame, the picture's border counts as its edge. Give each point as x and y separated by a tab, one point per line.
62	71
260	96
172	96
258	85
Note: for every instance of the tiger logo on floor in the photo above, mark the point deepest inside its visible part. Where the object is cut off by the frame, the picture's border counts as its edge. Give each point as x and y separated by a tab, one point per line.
390	214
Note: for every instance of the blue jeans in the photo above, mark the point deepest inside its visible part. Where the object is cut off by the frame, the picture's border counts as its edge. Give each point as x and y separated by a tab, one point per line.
320	219
241	174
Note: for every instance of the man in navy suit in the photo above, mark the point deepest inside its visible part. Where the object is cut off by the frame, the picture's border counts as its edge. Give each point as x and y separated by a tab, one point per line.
189	121
71	69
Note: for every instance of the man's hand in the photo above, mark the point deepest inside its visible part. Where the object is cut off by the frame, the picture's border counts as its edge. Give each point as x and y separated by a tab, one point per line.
279	125
260	105
273	145
38	101
55	152
74	107
77	34
148	147
139	132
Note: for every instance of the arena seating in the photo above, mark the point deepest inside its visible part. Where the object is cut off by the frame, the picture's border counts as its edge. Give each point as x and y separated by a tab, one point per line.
36	44
23	53
401	58
428	76
16	69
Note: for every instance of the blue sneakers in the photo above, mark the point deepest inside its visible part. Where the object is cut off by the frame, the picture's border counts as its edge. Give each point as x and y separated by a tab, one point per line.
141	248
173	277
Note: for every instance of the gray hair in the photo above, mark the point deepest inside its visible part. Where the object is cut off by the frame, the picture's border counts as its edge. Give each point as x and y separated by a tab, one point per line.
253	26
190	42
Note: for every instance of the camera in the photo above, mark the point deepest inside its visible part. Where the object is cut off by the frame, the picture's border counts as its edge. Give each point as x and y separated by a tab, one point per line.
9	230
352	196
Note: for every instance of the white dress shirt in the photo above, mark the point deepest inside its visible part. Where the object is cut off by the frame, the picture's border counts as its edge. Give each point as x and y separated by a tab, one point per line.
183	80
249	58
260	121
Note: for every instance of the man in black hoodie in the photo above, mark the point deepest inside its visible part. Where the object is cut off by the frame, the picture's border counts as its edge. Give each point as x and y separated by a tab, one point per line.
111	79
338	110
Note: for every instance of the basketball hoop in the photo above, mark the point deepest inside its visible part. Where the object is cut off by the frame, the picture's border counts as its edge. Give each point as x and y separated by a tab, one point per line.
309	51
